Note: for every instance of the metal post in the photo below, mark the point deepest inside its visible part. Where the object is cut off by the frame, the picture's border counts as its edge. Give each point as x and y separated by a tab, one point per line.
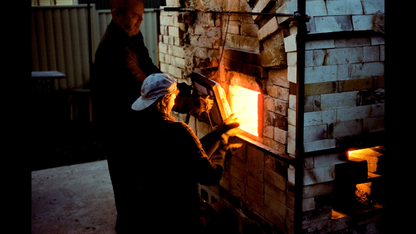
300	16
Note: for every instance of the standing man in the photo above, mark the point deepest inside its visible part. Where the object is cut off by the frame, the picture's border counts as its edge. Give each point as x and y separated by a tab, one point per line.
122	63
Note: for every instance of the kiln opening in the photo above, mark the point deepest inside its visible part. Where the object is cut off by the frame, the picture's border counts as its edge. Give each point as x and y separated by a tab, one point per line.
245	104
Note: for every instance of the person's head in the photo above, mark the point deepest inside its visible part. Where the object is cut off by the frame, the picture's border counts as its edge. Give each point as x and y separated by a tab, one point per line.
128	15
158	91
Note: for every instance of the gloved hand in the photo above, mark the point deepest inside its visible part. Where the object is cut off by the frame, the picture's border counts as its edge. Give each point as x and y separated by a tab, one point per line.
206	104
229	125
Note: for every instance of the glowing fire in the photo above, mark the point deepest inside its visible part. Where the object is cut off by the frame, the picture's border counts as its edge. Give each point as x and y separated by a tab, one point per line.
244	103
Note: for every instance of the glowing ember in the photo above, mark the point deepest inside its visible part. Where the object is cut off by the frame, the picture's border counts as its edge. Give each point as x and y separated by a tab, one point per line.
244	103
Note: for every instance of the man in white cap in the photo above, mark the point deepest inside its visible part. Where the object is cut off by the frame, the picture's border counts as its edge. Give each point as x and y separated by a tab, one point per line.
171	161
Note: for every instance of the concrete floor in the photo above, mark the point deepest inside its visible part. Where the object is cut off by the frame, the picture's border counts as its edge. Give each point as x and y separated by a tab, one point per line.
73	199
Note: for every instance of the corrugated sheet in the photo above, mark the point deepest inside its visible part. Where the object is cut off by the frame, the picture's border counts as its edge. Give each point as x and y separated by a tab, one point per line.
149	29
60	40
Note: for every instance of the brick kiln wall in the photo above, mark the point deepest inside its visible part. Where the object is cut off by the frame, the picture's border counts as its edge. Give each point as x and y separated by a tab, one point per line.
344	102
344	78
344	98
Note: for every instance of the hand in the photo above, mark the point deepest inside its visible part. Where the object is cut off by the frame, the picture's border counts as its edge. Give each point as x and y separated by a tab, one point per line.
229	126
208	104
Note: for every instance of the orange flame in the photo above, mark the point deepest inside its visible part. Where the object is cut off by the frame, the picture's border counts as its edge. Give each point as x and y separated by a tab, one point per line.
244	103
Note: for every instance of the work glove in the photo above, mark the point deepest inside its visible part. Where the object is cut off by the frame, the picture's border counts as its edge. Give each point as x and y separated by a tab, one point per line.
229	126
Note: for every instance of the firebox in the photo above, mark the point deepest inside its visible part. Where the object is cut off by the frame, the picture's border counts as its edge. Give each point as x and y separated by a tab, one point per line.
245	103
357	185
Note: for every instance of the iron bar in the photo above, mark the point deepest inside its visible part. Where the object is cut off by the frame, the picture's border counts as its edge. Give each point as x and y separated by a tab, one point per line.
300	81
179	9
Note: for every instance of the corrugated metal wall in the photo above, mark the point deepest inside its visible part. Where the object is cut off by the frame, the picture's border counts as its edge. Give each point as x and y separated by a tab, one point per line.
60	40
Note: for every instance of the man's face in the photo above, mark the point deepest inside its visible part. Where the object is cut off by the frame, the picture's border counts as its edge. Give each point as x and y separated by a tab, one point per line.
128	15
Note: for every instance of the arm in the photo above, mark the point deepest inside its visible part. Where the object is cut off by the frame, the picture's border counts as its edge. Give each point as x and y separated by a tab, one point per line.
207	171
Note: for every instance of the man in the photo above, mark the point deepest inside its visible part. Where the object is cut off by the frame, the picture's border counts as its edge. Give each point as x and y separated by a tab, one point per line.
170	163
122	63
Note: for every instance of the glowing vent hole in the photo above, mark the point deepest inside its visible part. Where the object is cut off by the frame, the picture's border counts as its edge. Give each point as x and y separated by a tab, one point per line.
244	103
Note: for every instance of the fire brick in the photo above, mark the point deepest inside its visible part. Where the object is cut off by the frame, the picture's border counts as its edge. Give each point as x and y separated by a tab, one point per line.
275	192
260	5
362	22
172	3
371	7
338	100
347	128
316	8
344	56
367	69
321	74
320	117
249	29
269	28
333	23
275	179
290	43
321	44
344	7
291	74
237	187
238	173
280	135
287	7
277	207
279	77
255	184
254	195
351	42
277	120
308	204
275	218
268	131
318	175
373	124
352	113
319	145
355	84
315	133
312	103
270	162
317	189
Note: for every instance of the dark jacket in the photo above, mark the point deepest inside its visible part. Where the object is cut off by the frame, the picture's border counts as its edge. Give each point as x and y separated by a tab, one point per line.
170	163
122	63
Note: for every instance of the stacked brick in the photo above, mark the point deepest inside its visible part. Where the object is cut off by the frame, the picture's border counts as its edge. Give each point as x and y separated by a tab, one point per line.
273	60
171	48
256	187
344	78
344	98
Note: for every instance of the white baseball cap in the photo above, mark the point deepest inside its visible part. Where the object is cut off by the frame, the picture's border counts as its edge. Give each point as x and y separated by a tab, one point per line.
154	86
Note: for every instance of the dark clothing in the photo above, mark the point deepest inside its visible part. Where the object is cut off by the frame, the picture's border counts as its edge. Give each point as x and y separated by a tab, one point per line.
121	65
169	162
